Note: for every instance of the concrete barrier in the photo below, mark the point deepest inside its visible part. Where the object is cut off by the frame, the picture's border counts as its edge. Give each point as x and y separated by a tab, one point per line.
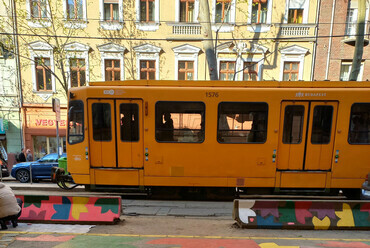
292	214
70	209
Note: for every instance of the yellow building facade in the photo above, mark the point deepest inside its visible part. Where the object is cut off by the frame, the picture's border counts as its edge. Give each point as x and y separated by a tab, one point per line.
69	43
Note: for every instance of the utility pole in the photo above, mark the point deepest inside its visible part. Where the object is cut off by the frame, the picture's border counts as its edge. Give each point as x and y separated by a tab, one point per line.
359	47
205	22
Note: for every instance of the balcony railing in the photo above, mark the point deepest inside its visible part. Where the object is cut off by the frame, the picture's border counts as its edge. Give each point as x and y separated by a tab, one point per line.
295	30
186	29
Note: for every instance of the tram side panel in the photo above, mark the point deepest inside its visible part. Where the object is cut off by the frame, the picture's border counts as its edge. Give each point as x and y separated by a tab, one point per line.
351	160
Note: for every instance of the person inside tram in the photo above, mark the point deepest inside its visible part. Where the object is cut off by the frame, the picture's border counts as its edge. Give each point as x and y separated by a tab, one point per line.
167	126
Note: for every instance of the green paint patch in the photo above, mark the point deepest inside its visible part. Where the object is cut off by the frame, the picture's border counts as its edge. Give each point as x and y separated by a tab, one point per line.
99	242
107	204
35	200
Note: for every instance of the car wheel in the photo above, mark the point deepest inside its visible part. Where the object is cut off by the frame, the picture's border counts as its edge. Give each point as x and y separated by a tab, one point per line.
23	176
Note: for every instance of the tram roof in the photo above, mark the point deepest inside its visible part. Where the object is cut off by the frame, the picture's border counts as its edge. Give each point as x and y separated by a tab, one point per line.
262	84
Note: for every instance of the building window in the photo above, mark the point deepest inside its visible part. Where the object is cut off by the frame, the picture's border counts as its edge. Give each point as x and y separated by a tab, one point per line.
112	69
187	10
291	71
39	9
259	11
147	10
345	71
147	69
111	10
43	74
180	122
78	72
359	129
74	9
250	72
295	16
223	11
227	70
242	122
43	145
186	70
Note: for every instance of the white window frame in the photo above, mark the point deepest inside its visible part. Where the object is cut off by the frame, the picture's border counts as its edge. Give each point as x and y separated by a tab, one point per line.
305	7
354	5
77	50
112	51
196	11
226	26
186	52
261	27
108	25
37	23
147	26
360	74
75	24
293	54
147	52
40	49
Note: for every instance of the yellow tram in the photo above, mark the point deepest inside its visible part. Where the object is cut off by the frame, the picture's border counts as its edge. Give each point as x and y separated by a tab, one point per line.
276	135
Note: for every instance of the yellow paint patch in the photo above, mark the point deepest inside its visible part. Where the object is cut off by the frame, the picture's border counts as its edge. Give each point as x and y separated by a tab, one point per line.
79	206
346	216
323	224
273	245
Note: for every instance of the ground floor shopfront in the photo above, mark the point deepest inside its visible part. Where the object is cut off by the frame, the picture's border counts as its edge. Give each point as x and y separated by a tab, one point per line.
40	130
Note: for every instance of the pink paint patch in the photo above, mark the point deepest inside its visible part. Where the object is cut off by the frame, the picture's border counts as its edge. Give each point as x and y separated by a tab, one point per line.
47	238
205	243
345	244
291	223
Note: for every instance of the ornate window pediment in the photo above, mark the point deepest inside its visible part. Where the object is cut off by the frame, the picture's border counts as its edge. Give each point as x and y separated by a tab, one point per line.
294	50
111	48
147	48
40	45
186	49
76	47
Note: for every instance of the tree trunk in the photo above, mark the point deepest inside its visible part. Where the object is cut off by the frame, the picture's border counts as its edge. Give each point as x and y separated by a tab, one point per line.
205	21
359	47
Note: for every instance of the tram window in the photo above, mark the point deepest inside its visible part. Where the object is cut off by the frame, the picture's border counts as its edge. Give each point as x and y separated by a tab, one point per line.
101	117
75	122
321	124
129	114
181	122
359	128
242	122
293	124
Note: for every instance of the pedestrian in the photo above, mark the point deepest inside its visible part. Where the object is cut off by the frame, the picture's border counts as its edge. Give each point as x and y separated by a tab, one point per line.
10	207
21	156
29	156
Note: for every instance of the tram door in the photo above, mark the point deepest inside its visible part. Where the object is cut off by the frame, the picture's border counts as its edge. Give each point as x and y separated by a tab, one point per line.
306	139
129	121
102	139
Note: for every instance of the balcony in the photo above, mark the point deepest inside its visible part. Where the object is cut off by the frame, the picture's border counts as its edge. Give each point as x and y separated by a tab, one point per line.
298	30
184	31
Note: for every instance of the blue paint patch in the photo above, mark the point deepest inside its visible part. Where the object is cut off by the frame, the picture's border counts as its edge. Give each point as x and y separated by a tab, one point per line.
268	222
62	210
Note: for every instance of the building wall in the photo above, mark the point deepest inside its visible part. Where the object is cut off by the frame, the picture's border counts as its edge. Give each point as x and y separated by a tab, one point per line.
340	49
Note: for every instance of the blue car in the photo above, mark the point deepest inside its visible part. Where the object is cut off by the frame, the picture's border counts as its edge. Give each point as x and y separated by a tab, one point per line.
41	169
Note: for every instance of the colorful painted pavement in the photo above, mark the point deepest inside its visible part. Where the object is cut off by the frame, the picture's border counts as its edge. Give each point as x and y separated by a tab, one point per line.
15	240
70	209
302	214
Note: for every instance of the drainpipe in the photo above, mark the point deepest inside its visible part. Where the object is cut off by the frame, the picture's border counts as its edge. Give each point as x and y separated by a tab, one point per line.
330	40
17	62
316	38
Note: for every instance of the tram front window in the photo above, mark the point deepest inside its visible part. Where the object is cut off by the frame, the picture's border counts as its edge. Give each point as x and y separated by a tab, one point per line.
75	122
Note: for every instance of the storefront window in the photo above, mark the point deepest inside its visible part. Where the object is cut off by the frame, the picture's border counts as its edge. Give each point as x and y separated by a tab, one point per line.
43	145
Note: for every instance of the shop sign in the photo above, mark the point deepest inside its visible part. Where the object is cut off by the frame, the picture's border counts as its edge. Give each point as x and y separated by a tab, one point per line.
49	123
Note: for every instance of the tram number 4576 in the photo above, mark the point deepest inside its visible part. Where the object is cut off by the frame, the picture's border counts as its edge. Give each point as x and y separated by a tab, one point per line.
211	94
